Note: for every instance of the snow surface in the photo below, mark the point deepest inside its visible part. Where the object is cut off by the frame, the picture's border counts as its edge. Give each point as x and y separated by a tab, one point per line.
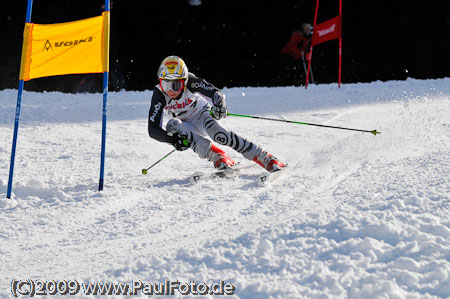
359	216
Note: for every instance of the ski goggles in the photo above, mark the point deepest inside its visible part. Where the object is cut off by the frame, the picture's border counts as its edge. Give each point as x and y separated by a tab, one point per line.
174	86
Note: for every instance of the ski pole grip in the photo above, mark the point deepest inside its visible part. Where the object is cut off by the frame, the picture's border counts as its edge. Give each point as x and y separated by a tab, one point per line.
211	113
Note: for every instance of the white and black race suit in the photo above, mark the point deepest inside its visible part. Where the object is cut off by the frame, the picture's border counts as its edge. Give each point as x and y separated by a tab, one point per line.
190	115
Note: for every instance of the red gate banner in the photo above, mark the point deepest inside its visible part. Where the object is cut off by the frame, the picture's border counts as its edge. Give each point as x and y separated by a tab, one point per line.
326	31
331	29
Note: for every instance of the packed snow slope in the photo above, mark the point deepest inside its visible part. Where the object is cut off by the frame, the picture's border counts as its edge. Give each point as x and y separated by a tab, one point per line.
357	216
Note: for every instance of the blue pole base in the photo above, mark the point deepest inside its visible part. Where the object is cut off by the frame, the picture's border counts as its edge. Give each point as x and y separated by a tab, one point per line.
100	185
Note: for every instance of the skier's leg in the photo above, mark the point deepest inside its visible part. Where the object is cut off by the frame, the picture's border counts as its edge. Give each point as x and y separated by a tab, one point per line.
226	137
202	146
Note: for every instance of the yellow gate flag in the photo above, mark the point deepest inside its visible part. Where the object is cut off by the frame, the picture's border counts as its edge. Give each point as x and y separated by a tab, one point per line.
77	47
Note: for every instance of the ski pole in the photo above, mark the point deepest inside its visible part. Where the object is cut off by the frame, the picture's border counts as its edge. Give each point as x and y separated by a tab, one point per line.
374	132
145	170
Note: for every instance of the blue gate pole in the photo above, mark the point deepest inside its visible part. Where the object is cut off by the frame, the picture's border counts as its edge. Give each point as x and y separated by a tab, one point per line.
105	100
16	121
102	160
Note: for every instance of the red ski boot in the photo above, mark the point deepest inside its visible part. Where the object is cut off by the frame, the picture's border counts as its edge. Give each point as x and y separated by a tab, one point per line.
219	158
269	162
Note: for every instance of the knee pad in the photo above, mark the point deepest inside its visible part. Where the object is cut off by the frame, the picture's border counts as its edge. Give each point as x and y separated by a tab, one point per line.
222	138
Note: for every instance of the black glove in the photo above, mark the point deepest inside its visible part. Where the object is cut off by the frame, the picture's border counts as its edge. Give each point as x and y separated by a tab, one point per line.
180	141
219	110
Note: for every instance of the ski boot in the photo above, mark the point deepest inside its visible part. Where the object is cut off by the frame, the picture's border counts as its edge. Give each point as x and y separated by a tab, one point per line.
219	158
268	162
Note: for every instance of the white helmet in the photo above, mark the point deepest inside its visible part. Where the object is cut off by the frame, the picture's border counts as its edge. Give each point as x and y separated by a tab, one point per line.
173	68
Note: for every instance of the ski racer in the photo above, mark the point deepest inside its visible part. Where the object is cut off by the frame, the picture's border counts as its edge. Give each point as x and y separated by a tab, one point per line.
191	108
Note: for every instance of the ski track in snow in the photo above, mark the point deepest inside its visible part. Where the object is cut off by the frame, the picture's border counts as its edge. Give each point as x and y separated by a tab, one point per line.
356	216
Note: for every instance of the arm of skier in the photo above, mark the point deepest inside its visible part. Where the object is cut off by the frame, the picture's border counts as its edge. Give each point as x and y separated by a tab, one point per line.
214	96
155	118
200	85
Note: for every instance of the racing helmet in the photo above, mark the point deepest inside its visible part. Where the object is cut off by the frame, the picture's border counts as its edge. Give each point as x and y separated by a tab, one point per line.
173	68
173	73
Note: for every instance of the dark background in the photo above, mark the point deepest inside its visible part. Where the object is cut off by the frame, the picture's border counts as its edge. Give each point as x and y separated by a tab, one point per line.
238	43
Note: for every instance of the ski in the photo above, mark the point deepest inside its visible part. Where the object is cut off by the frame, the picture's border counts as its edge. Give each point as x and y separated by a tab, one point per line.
268	178
230	172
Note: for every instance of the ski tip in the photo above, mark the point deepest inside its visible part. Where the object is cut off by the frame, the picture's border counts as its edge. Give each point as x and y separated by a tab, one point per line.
196	178
262	180
267	178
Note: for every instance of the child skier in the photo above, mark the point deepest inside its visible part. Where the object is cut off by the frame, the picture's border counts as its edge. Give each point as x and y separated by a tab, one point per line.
193	107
